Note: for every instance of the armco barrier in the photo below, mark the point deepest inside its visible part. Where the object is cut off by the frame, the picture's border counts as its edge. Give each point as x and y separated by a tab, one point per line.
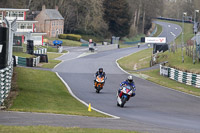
130	43
5	82
175	20
180	76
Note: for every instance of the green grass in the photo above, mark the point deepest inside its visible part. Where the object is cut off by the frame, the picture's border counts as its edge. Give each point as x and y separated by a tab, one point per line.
65	42
121	45
137	60
51	60
159	30
51	49
133	39
48	129
94	38
25	55
43	91
175	61
154	76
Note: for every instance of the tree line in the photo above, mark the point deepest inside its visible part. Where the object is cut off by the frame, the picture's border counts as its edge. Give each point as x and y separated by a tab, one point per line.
109	17
176	8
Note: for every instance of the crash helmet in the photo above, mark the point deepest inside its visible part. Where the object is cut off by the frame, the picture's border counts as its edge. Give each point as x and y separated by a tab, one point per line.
130	79
100	70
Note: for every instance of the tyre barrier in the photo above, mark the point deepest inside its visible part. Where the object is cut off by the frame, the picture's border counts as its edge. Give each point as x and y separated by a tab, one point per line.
5	82
40	51
180	76
30	62
43	57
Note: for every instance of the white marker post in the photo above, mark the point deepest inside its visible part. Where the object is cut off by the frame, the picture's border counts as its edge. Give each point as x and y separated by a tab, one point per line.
1	47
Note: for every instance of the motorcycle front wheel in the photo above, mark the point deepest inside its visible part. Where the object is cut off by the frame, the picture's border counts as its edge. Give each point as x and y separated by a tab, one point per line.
123	101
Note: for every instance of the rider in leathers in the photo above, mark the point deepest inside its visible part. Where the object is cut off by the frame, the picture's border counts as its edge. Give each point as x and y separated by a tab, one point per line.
101	73
130	82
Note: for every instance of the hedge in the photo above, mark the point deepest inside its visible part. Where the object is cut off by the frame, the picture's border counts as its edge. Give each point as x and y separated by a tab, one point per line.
70	37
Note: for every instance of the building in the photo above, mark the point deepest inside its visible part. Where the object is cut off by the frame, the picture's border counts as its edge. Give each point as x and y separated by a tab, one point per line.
50	21
25	28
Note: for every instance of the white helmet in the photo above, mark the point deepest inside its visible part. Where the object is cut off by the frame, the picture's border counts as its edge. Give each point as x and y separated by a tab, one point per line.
130	78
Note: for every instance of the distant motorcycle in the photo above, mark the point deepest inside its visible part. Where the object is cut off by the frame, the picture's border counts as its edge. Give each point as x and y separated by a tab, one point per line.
127	91
99	83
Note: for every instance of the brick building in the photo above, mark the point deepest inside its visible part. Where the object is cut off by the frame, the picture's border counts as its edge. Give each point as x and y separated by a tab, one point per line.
25	28
50	21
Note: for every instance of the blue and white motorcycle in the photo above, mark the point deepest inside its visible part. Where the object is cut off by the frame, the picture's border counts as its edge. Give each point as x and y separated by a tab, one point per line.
126	92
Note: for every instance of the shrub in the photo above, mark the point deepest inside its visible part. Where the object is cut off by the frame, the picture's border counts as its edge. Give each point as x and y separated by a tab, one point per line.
70	37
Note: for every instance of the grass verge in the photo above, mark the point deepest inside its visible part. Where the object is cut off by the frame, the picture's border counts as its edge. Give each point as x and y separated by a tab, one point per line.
42	91
65	42
136	61
48	129
159	30
25	55
175	61
154	76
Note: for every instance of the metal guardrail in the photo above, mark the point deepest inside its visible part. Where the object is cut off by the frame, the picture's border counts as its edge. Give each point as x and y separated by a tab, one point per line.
5	82
176	20
129	43
180	76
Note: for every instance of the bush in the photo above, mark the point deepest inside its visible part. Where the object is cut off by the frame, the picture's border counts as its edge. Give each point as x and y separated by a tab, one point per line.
70	37
62	36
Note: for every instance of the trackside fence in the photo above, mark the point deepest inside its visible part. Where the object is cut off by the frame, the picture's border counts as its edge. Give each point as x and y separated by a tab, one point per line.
5	82
180	76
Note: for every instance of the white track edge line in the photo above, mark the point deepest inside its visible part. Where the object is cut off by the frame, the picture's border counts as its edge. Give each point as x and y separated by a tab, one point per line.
70	91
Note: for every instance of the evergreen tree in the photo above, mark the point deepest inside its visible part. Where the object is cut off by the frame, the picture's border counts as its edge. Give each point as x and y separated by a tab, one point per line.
117	16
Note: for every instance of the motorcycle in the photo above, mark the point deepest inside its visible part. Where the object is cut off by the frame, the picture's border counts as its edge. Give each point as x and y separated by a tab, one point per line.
99	83
125	95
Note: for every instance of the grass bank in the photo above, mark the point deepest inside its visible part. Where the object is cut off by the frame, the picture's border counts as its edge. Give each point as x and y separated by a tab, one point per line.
175	61
25	55
136	61
159	30
65	42
43	91
47	129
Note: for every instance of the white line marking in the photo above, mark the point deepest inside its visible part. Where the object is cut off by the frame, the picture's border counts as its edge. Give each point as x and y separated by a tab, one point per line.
70	91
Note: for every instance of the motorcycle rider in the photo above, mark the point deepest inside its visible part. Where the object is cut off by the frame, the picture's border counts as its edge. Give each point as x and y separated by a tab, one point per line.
100	73
129	82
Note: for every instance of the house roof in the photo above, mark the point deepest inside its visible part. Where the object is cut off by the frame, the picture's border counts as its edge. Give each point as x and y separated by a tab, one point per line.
53	14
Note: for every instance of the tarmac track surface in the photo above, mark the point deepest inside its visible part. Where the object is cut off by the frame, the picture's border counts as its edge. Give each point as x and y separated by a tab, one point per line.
153	109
